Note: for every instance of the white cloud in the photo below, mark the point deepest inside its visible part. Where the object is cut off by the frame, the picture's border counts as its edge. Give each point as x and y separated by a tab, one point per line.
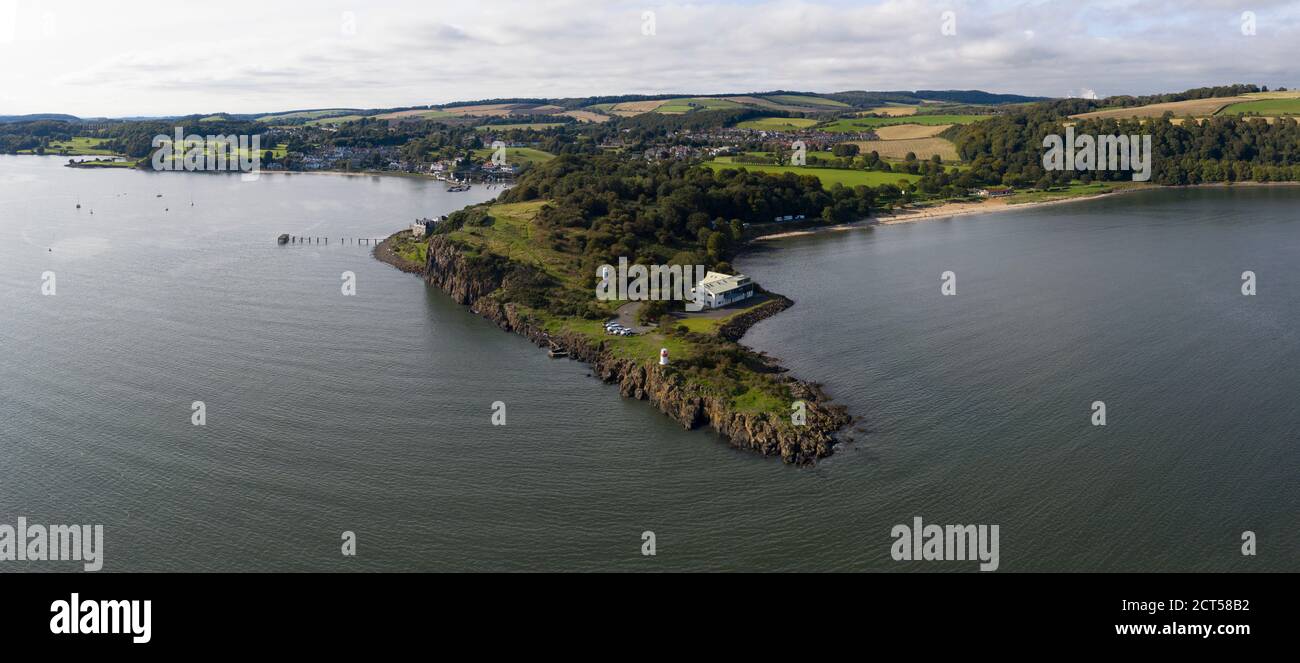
156	57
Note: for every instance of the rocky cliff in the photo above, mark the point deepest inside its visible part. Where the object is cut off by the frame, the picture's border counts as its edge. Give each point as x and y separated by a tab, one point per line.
472	280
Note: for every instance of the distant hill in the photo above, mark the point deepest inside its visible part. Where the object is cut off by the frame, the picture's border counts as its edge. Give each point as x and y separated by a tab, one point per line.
975	97
602	108
58	117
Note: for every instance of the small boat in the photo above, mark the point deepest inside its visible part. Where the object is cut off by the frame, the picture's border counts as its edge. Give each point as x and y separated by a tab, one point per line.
282	239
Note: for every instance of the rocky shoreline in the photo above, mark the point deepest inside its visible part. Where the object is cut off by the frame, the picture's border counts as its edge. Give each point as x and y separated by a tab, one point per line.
473	282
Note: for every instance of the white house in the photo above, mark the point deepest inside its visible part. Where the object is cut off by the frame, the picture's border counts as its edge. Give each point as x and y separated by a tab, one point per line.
716	290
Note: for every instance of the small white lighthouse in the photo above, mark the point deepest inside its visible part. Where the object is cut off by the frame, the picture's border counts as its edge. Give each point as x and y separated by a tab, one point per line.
663	357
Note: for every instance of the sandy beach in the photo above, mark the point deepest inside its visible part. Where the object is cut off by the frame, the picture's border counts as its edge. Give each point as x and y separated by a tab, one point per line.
942	211
945	210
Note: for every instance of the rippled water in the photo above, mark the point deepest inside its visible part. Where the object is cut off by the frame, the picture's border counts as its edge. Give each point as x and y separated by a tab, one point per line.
372	413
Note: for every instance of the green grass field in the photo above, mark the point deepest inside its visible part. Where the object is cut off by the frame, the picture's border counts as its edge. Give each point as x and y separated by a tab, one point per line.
1075	190
689	104
514	235
424	114
277	152
308	115
534	126
1264	107
868	123
828	176
778	123
520	155
338	119
79	146
802	100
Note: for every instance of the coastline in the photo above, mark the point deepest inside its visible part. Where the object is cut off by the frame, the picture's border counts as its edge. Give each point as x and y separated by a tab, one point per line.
954	209
476	286
940	211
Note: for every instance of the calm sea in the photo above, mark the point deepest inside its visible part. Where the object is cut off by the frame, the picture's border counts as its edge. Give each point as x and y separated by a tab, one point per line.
373	413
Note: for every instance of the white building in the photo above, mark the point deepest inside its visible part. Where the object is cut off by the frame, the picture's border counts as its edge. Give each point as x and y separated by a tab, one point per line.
716	290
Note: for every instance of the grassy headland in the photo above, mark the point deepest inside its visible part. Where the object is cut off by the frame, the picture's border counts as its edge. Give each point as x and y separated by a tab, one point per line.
530	261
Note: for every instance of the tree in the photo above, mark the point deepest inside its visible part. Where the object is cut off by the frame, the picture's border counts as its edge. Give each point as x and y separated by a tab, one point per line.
845	150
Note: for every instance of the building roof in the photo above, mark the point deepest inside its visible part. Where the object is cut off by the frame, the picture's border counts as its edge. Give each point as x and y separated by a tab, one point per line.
716	283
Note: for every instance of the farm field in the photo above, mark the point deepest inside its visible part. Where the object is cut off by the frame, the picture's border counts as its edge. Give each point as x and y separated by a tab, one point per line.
234	151
628	108
535	126
681	105
778	123
871	123
480	110
308	115
1264	107
828	176
1192	107
759	102
586	116
339	119
923	148
688	104
910	131
804	100
78	146
892	111
418	113
525	155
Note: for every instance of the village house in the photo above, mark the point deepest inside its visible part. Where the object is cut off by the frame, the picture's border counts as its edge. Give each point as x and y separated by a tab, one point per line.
716	290
995	192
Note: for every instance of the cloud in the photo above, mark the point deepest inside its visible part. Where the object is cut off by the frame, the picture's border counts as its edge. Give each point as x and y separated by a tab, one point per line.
155	57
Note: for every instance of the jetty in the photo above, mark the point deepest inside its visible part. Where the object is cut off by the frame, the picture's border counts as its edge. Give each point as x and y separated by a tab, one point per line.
286	238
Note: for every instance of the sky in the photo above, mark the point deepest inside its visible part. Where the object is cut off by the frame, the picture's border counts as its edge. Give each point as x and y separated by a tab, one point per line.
174	57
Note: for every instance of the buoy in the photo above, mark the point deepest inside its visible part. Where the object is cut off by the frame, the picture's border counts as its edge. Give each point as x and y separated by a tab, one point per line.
663	357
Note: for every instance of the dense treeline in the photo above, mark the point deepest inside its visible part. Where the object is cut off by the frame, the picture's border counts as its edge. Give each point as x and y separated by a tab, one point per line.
33	135
604	207
1187	95
649	126
1009	149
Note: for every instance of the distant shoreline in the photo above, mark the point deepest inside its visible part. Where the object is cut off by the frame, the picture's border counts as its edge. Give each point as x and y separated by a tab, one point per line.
953	209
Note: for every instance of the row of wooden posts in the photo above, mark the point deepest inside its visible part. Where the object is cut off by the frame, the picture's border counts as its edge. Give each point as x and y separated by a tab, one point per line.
370	241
